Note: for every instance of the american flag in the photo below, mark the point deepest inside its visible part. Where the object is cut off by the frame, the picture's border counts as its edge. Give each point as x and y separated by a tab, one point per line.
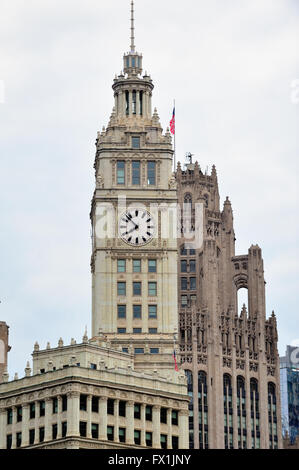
172	122
175	362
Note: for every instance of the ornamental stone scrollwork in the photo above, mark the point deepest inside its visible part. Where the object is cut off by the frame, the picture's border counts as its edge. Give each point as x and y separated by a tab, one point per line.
99	181
172	184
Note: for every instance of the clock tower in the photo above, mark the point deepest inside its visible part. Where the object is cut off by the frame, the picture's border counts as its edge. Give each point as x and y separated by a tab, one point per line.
133	216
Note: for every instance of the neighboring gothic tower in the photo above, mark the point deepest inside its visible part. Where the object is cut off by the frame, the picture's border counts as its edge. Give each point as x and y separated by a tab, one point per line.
4	348
134	264
230	355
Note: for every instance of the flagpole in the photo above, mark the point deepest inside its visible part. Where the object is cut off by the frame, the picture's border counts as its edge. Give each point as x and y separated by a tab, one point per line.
174	155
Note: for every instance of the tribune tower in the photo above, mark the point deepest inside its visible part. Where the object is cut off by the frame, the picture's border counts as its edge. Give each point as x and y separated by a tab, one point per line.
134	260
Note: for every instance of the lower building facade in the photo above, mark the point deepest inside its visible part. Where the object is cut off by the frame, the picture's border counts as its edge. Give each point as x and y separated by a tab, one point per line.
89	396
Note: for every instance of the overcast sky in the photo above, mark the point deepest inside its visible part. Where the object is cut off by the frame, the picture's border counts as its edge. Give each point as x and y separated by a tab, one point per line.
232	67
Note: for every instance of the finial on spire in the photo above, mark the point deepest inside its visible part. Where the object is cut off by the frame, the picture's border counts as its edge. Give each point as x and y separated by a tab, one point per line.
132	28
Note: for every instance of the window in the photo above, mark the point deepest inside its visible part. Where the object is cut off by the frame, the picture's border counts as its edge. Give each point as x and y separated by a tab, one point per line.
141	92
121	288
149	439
192	252
125	350
64	402
184	285
121	311
136	311
94	430
163	440
183	266
120	172
163	415
136	173
175	417
122	434
151	173
184	301
32	436
54	405
121	265
19	414
95	404
153	331
152	311
228	411
110	406
83	402
136	288
110	433
8	441
149	413
175	442
137	411
193	283
183	251
122	408
152	289
133	93
139	351
136	145
192	266
121	331
136	265
54	431
19	439
137	439
42	408
154	350
127	103
63	428
203	410
9	416
152	266
41	434
137	331
93	366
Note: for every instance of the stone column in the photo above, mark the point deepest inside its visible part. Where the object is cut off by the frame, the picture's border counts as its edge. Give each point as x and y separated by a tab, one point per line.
137	103
73	414
183	429
130	422
59	420
143	425
36	429
145	103
169	428
48	414
103	419
13	427
116	420
3	428
25	425
88	425
130	103
156	427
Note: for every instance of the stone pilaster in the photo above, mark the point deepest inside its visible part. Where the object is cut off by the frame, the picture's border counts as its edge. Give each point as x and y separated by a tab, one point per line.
156	427
25	425
183	425
103	419
88	425
73	414
130	422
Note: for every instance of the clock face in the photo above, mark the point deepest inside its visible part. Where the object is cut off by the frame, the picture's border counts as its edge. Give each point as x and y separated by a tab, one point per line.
136	227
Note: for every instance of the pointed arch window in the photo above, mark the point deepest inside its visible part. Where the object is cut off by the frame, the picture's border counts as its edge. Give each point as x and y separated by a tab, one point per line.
191	408
255	414
241	411
203	410
228	411
272	416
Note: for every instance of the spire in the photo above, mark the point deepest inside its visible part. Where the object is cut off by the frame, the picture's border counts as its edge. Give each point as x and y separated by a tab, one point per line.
132	28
